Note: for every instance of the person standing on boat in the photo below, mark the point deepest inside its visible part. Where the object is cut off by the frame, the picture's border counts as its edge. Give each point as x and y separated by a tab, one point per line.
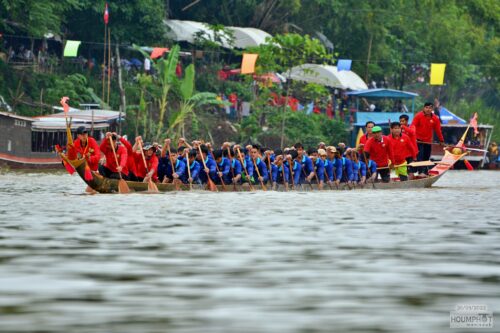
380	151
410	131
368	126
402	149
110	169
426	123
86	147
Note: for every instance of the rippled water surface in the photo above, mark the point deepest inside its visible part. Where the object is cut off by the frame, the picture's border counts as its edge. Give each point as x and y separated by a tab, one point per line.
357	261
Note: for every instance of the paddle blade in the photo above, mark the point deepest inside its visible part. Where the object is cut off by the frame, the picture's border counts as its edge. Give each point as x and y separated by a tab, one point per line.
88	174
152	187
468	165
211	185
123	187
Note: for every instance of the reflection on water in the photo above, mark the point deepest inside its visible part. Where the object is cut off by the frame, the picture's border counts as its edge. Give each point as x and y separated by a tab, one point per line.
368	261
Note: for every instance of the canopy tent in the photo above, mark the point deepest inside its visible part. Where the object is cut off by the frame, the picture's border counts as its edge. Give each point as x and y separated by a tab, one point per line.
379	118
383	93
448	117
186	31
328	76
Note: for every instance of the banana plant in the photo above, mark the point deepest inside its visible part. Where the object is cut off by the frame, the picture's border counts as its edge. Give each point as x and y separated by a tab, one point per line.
190	101
166	79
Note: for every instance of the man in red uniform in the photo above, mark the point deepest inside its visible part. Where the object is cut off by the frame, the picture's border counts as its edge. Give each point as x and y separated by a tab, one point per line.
110	169
85	147
148	171
368	126
402	148
380	151
425	122
132	170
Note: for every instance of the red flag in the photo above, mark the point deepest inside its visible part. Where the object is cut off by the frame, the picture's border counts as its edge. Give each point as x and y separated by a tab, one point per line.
106	14
158	52
473	123
64	103
468	165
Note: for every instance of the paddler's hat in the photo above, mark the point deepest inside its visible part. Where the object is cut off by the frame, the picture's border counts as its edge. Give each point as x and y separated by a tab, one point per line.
81	130
376	129
148	146
321	152
332	149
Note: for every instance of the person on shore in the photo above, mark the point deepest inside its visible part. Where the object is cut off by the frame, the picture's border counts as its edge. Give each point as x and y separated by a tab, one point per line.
111	169
402	150
86	147
380	151
425	124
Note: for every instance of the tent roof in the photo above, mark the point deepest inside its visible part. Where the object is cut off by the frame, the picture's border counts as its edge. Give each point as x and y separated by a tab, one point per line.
379	118
327	75
383	93
448	117
244	37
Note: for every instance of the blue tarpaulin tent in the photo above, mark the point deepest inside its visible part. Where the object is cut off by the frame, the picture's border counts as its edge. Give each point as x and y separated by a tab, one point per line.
447	117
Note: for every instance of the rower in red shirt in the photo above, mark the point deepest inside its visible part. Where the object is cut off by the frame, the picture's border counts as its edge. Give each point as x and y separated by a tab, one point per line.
86	147
110	169
402	148
131	163
425	123
368	126
380	151
148	171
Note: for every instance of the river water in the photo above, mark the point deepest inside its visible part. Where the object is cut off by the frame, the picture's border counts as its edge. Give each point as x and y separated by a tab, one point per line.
357	261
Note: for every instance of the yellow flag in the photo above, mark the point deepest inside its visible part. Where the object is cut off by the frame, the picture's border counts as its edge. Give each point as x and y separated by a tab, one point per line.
437	74
358	138
248	63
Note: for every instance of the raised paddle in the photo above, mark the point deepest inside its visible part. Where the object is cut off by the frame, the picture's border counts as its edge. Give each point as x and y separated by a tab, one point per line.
264	188
189	170
122	184
151	185
245	168
211	185
285	184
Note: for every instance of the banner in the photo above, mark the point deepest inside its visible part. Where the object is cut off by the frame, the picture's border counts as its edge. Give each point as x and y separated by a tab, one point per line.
344	65
71	48
248	63
437	74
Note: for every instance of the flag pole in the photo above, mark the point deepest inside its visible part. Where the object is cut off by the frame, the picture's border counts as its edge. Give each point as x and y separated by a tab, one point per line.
104	62
109	62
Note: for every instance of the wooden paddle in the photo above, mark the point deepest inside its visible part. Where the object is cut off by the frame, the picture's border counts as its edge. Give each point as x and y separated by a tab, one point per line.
285	184
151	185
189	170
305	177
122	184
211	185
412	164
245	168
264	188
291	162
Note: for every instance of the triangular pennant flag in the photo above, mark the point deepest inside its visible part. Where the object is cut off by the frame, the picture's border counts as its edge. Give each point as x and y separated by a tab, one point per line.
106	14
358	138
71	48
473	123
64	103
437	74
248	63
158	52
344	65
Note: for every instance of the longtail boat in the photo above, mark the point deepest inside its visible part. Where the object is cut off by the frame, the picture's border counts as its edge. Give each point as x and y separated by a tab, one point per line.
107	185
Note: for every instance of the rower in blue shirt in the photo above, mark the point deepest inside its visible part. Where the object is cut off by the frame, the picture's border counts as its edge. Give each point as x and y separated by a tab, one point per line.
235	166
319	165
259	164
347	174
211	170
296	168
307	170
223	166
280	173
246	162
371	167
333	165
194	168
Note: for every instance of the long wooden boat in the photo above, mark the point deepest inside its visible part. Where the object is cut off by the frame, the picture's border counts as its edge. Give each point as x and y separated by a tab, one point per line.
107	185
